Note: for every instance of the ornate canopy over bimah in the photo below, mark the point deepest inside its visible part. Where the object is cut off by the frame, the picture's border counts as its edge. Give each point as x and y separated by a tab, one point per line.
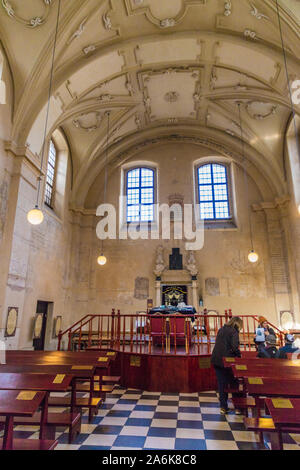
177	281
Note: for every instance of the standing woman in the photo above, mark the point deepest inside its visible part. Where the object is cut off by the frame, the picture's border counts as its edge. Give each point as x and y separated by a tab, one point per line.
227	345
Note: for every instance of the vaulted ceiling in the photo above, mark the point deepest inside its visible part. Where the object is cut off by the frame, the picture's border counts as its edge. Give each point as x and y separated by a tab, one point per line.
160	68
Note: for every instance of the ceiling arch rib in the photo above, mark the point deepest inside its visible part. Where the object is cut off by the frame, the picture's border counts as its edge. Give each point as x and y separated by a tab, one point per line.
186	74
214	140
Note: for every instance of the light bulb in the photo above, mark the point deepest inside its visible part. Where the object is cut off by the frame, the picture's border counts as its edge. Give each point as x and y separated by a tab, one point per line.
35	216
101	260
253	257
299	208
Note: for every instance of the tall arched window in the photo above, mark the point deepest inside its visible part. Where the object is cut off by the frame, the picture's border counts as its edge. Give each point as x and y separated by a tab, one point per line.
50	177
140	195
213	194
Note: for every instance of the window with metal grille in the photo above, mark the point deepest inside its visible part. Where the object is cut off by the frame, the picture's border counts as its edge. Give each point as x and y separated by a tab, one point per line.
49	191
140	195
213	192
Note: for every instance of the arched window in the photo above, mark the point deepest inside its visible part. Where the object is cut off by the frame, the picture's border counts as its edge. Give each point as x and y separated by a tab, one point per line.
213	194
140	195
50	177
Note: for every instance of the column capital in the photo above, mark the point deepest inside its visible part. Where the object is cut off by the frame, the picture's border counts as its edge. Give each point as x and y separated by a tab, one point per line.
23	154
278	203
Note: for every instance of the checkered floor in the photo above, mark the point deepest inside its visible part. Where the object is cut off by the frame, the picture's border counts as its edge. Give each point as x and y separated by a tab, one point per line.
134	420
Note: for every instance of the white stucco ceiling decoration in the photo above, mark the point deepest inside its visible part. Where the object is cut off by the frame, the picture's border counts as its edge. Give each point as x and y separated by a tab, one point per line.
88	122
33	22
259	110
162	14
162	98
171	65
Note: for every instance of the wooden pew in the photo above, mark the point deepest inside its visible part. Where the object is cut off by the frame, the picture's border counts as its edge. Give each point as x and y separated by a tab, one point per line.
228	361
80	372
15	404
285	418
101	362
46	383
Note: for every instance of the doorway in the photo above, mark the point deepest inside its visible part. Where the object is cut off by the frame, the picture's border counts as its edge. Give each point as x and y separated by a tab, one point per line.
41	319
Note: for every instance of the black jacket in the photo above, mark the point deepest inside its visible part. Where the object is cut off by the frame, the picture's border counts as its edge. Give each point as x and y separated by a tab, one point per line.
270	352
227	345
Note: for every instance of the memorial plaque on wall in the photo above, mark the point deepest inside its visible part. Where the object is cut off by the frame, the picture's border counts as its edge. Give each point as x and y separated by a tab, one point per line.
11	322
57	326
38	325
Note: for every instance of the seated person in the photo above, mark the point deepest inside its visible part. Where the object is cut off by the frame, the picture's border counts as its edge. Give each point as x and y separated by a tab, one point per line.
288	348
262	331
269	351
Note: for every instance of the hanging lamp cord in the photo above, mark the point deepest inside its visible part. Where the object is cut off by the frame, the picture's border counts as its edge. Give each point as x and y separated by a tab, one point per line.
106	172
245	174
288	79
48	104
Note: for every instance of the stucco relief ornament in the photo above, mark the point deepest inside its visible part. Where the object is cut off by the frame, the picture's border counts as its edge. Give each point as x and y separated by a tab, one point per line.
258	14
107	21
147	102
105	97
32	22
159	262
138	121
89	49
79	123
171	96
78	31
191	263
167	23
227	7
250	34
269	109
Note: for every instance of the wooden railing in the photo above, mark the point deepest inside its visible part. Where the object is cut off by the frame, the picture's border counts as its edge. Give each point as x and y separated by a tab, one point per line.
137	333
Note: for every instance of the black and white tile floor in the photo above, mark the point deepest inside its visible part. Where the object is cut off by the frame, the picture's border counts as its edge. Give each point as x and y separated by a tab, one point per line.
134	420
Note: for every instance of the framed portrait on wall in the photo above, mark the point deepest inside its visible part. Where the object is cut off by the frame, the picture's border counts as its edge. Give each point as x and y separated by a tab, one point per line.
57	324
38	326
11	322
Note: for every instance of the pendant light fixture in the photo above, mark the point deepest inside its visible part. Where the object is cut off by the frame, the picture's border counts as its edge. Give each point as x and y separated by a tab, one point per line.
35	216
252	255
101	260
289	86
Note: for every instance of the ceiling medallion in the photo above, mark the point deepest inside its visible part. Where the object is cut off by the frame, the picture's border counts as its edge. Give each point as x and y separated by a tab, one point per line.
171	96
260	110
31	23
83	122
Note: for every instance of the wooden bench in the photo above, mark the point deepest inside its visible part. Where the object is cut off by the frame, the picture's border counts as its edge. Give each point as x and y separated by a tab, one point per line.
80	372
21	405
46	383
263	425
